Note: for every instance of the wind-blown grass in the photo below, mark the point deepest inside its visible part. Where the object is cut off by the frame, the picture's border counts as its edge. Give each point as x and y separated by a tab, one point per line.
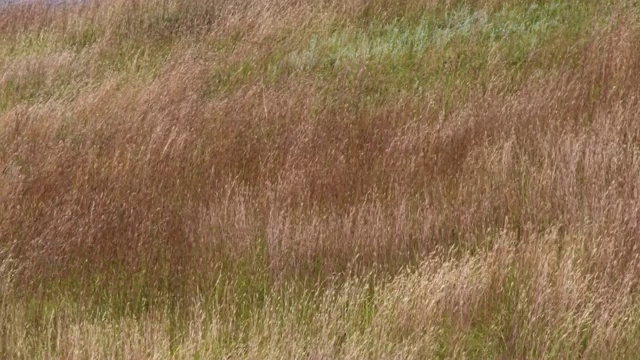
302	179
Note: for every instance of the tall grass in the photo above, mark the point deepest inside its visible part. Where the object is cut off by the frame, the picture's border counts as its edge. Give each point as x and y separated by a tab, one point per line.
335	179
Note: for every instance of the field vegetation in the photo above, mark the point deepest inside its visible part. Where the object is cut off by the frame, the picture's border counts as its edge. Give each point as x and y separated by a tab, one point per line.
335	179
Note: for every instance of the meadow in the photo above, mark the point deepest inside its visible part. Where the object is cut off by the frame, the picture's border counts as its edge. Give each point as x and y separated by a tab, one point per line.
333	179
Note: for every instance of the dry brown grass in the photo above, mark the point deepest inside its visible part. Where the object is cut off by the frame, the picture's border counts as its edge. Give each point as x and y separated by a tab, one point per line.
182	179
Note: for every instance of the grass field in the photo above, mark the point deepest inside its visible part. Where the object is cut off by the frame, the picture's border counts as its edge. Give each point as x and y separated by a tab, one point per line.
335	179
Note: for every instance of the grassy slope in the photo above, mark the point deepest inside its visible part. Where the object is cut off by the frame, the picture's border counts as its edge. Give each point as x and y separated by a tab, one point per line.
289	179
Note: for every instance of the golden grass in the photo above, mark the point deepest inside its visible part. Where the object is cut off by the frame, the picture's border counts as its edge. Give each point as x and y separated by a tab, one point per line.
300	179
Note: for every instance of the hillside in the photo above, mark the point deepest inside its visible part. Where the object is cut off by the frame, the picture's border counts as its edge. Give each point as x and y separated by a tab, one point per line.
298	179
